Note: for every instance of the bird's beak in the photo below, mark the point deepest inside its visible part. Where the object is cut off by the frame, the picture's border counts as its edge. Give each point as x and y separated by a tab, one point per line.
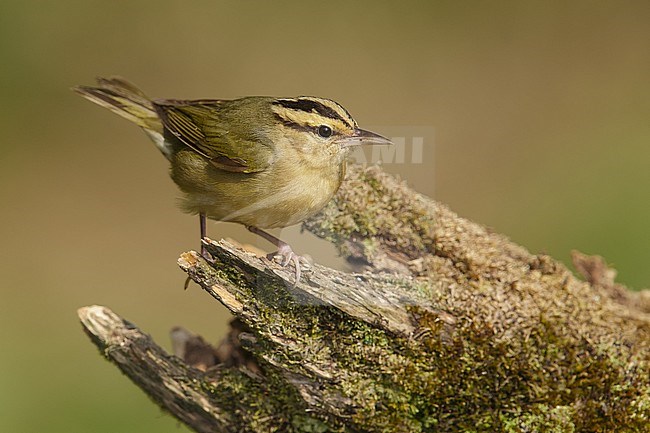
361	136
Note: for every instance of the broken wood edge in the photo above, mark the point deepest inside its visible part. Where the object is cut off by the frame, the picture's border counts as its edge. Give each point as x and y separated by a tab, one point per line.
167	380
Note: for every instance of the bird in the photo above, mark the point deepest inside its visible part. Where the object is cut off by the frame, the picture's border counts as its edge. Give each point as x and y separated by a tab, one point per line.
261	161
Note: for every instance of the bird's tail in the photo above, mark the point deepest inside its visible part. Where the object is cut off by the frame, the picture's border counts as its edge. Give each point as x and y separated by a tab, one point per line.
125	99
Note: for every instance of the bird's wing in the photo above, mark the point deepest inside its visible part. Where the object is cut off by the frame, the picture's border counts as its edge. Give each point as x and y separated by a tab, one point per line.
199	125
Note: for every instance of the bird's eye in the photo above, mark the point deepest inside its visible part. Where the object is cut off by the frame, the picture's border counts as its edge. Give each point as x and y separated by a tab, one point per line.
325	131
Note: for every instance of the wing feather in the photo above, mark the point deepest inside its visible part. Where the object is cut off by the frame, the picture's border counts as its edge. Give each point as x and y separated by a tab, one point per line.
200	125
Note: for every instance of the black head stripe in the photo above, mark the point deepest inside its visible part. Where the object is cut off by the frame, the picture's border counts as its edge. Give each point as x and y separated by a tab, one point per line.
310	106
294	125
347	121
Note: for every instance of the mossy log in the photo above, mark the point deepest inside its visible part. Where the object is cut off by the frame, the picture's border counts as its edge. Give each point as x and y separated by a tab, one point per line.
447	327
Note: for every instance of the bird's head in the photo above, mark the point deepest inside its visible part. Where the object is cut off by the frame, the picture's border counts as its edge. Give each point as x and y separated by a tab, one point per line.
319	129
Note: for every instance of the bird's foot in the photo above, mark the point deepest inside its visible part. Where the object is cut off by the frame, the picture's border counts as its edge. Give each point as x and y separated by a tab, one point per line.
204	251
285	255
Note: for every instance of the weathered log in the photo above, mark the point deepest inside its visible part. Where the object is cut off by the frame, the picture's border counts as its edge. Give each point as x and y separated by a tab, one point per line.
450	328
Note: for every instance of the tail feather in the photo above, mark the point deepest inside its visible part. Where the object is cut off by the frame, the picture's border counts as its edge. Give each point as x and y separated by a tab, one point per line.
125	99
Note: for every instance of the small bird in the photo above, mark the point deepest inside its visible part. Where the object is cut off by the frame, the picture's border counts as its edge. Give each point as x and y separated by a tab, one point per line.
260	161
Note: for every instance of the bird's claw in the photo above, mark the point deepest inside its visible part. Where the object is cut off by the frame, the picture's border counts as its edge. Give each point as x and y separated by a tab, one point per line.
285	255
205	254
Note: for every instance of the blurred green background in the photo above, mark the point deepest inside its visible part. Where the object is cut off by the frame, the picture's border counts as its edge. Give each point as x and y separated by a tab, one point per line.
540	112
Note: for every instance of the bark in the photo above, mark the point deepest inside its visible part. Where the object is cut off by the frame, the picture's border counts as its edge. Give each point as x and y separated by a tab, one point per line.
447	327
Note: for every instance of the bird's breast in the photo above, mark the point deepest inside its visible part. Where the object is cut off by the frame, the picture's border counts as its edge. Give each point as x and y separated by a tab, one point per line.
297	196
283	195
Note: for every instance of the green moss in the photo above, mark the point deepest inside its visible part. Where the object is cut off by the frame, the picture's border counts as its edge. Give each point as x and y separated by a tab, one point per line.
470	380
541	418
306	424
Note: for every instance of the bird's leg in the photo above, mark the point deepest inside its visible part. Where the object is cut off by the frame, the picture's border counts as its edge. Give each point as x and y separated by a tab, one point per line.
204	251
284	250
